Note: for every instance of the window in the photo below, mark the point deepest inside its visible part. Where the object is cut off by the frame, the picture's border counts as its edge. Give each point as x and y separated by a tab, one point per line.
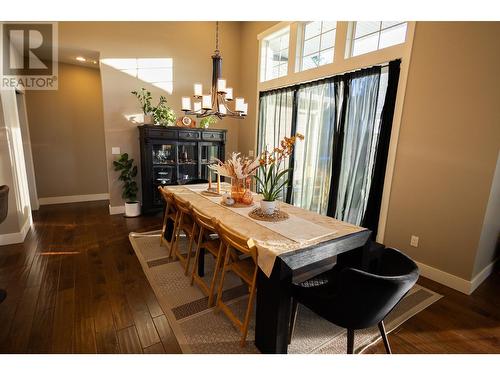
274	55
156	71
317	44
341	119
369	36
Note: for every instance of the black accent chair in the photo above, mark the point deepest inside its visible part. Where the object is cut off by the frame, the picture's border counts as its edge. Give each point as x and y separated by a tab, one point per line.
356	296
4	208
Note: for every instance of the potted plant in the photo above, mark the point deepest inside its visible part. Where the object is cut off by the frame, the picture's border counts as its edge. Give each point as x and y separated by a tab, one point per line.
144	97
163	114
272	177
128	172
206	122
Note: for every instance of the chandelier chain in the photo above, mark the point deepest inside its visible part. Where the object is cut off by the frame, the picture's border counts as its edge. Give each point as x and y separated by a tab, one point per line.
217	36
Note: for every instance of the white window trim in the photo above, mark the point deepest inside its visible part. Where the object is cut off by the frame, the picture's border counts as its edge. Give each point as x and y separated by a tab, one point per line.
340	65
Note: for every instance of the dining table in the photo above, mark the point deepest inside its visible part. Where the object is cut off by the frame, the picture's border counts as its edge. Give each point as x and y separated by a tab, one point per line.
301	246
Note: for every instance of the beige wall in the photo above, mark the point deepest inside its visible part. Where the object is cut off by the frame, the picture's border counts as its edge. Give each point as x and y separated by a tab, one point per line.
67	134
248	81
190	44
448	144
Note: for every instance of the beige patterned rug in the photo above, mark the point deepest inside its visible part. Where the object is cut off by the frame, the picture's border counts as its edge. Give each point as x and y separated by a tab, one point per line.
199	329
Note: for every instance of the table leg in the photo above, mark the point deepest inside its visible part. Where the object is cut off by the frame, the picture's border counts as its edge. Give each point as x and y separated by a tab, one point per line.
273	309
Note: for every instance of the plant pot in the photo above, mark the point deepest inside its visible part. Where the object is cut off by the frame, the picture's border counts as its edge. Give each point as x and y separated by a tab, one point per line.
148	120
240	190
132	209
268	207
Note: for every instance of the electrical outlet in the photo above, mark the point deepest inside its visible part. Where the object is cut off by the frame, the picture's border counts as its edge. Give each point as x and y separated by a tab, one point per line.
414	241
250	153
115	150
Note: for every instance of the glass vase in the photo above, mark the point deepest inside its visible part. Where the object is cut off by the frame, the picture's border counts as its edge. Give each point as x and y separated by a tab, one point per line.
240	190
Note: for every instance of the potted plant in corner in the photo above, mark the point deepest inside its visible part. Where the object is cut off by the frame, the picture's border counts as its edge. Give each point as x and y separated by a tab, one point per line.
128	172
144	97
272	177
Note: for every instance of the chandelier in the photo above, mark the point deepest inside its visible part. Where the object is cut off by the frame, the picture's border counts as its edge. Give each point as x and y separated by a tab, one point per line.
216	102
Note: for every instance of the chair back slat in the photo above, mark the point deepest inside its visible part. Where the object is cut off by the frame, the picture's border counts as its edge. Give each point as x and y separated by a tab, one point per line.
203	220
236	240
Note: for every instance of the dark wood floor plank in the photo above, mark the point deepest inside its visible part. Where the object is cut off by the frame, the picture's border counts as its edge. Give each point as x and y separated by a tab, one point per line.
129	341
166	335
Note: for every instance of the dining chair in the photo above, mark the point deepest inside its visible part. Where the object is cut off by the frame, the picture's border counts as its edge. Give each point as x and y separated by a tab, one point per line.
187	225
240	258
208	239
169	219
356	297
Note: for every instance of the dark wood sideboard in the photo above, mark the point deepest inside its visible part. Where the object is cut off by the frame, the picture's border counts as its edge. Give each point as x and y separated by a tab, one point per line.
175	155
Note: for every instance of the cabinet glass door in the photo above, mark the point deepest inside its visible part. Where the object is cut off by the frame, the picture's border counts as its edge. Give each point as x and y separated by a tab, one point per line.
187	154
209	151
163	154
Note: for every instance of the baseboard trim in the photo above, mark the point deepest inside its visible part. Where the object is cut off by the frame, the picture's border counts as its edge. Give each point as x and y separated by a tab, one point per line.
455	282
116	210
481	276
16	237
73	198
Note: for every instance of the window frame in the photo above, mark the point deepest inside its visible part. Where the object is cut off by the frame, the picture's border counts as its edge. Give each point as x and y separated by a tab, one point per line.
340	65
301	39
267	40
351	38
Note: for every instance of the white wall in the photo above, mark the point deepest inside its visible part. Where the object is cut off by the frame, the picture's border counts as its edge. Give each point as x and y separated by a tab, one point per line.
13	172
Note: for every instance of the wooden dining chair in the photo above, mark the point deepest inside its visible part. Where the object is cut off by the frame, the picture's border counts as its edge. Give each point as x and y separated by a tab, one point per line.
241	259
169	219
209	240
186	224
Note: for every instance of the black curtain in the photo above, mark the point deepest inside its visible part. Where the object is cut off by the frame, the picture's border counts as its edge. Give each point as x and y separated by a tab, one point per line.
372	213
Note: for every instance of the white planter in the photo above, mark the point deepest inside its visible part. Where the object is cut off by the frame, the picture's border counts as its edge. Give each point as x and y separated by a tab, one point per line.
132	209
148	120
268	207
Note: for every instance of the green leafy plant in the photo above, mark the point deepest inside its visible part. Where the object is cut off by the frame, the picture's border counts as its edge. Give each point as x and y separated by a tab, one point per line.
145	98
128	172
208	121
163	114
272	177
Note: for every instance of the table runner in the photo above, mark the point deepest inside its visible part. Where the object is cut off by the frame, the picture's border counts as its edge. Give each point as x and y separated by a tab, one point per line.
303	228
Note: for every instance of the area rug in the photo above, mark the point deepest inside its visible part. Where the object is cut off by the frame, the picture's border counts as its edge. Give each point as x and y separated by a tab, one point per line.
200	329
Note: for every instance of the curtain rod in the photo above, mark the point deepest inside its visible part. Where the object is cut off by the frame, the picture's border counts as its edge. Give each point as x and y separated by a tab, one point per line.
297	85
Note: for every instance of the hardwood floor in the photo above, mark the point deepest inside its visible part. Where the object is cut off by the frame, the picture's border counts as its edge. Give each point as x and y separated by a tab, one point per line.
75	286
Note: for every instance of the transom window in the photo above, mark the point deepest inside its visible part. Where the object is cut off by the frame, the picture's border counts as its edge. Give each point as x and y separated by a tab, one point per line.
369	36
317	44
274	55
156	71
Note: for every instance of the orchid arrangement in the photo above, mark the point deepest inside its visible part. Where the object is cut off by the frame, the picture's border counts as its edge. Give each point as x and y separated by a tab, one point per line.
237	166
272	177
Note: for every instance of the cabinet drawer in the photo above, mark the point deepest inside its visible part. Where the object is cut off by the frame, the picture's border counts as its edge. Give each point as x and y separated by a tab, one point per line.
189	135
161	133
213	136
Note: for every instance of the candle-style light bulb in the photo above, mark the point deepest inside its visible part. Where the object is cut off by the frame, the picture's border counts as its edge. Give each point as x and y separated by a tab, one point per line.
198	90
197	106
206	102
222	109
221	85
229	93
186	103
238	106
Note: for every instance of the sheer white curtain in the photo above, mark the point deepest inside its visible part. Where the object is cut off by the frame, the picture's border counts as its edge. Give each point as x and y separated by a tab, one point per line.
275	121
312	157
360	139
